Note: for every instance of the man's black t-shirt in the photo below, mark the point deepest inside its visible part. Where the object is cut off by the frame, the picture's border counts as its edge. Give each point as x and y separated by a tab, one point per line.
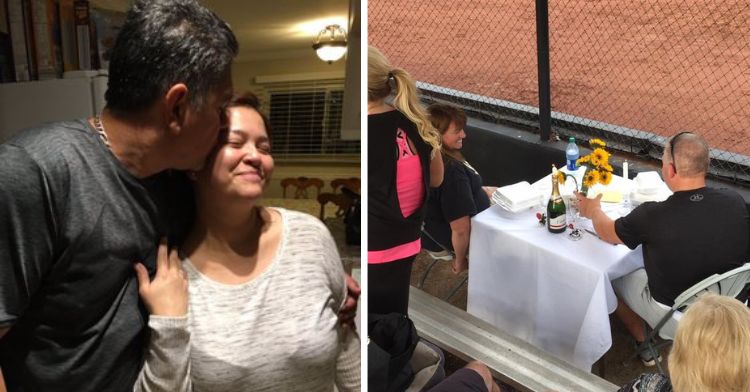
72	223
687	238
459	195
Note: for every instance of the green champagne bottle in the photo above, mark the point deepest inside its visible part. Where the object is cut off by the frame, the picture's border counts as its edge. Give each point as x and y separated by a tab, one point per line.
555	207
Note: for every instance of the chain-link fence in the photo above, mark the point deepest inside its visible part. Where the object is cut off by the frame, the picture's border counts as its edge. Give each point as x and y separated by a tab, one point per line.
632	72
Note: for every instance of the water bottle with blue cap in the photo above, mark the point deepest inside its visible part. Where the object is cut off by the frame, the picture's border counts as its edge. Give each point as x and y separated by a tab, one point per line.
572	154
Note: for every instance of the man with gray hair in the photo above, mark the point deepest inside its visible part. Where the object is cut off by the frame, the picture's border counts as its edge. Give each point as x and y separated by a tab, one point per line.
680	237
81	201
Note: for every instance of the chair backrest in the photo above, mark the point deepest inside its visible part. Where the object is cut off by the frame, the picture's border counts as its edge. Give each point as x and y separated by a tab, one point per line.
353	183
301	184
730	283
342	201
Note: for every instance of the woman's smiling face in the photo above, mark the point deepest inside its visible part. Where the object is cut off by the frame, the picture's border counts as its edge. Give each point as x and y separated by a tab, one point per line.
242	164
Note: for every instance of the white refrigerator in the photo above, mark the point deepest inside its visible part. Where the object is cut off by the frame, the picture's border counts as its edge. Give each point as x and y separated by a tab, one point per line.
26	104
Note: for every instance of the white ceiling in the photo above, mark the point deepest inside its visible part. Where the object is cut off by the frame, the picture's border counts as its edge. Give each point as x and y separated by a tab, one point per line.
271	29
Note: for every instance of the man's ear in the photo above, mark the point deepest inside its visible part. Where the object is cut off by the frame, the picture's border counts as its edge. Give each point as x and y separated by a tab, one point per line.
671	170
175	107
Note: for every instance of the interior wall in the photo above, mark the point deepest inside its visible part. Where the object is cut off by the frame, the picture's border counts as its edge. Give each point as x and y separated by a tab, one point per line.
243	76
244	73
351	128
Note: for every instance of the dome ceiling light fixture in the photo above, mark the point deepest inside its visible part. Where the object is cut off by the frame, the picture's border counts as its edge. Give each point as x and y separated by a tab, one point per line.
330	44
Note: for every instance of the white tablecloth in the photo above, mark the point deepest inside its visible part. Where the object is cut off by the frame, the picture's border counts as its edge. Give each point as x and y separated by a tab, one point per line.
544	288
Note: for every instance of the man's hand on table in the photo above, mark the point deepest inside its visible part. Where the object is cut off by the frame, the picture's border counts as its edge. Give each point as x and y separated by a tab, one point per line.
588	207
603	224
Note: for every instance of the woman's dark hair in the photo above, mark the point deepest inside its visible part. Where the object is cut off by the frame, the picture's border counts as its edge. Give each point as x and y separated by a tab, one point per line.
442	116
165	42
250	100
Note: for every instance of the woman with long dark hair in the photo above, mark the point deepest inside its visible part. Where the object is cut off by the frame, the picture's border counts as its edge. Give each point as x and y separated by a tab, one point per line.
265	285
460	196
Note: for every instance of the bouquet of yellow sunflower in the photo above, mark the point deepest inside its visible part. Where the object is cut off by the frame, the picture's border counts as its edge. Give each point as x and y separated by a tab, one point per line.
598	169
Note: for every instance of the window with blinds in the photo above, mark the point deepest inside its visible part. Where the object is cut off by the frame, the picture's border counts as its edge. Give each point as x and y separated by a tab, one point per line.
306	119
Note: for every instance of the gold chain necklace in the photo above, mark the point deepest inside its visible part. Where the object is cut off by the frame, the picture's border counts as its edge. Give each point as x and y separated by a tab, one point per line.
100	130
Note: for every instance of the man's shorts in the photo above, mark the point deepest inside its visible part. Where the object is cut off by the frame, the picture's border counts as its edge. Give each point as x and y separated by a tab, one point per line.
462	380
633	290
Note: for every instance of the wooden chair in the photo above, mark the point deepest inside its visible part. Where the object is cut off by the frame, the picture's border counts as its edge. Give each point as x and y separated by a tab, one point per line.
341	200
344	200
353	183
301	184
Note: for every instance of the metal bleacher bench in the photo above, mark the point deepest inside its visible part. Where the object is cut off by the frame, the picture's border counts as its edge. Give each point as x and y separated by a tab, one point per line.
512	360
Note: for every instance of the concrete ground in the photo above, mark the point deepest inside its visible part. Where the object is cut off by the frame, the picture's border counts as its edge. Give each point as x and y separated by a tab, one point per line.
618	367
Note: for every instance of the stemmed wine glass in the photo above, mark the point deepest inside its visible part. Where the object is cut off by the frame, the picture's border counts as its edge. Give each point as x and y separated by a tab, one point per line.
575	233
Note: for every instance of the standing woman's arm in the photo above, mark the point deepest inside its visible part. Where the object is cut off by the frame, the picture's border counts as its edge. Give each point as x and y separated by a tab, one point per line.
436	169
3	331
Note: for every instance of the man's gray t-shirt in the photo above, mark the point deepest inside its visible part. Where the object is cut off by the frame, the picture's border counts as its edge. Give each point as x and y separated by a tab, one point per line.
72	223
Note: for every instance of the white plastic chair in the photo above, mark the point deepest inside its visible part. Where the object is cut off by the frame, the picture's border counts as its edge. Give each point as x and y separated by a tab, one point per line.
731	283
428	364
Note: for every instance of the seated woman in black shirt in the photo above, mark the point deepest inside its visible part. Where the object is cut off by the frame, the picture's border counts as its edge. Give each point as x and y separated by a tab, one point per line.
460	196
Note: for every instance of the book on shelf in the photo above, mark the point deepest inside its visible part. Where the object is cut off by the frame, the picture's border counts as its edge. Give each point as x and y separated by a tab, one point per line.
7	73
47	39
68	42
25	30
28	28
84	41
107	24
18	40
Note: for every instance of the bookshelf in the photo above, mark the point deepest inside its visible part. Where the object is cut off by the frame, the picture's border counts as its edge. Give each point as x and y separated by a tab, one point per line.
53	59
41	39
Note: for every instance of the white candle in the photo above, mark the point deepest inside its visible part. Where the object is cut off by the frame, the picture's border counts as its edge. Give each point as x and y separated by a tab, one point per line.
625	170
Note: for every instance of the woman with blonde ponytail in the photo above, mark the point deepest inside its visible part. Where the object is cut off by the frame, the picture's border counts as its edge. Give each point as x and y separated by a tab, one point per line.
403	162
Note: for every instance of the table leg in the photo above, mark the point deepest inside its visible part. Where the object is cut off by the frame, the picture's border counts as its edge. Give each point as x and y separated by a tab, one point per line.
600	367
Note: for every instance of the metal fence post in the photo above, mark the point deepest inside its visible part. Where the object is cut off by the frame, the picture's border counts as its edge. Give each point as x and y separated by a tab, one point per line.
542	50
